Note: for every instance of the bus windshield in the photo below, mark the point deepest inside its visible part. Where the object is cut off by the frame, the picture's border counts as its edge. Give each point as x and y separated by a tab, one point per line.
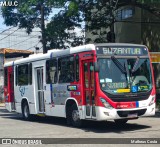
122	75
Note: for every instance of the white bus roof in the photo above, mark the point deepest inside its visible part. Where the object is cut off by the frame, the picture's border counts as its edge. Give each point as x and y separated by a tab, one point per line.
62	52
53	53
9	63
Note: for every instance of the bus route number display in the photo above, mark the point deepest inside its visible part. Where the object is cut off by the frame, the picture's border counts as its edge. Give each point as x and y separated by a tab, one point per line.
121	50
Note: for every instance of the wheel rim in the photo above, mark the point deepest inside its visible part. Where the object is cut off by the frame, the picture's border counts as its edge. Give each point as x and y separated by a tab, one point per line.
26	111
75	115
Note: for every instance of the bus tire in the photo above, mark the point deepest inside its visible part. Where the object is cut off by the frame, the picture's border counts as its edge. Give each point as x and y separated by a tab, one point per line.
120	122
25	111
68	115
75	117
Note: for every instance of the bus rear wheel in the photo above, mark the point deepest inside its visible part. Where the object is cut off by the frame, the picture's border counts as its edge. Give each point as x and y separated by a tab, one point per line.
120	122
25	111
75	117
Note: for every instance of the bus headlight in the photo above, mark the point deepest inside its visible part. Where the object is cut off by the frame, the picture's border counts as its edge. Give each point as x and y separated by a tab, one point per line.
152	100
105	103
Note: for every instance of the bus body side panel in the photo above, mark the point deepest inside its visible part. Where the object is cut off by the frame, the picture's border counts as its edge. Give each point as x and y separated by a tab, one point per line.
62	92
58	94
24	92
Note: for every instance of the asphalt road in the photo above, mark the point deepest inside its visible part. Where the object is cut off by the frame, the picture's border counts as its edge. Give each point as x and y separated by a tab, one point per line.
13	126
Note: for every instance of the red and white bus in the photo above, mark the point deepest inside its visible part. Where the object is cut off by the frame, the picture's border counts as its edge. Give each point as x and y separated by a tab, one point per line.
92	82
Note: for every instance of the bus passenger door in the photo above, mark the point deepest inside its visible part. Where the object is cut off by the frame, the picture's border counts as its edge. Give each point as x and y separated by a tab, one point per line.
11	89
39	89
89	89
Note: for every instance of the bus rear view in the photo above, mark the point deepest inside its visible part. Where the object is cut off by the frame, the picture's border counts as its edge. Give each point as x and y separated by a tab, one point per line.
126	86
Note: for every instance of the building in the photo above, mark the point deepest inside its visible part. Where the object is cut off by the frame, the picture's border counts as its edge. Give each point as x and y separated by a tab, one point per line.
7	55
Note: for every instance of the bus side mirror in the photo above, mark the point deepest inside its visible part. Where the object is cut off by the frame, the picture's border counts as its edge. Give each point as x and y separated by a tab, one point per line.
96	67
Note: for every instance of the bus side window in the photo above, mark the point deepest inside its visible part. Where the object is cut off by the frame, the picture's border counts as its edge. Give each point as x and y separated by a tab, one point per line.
66	69
30	73
47	72
23	74
16	75
51	71
77	67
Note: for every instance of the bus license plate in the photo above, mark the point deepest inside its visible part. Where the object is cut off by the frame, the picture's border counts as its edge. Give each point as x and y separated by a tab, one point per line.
132	115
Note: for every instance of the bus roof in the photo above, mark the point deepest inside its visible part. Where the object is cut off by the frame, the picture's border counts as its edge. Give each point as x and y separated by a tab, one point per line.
63	52
119	44
53	53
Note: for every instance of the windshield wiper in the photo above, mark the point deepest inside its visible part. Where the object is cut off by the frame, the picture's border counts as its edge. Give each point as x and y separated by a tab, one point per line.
118	64
135	65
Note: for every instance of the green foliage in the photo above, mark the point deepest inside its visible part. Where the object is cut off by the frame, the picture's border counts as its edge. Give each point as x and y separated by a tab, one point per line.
56	29
72	9
98	15
28	13
148	1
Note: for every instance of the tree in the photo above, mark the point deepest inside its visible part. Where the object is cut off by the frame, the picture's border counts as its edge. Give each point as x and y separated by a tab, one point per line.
30	14
97	15
60	30
100	15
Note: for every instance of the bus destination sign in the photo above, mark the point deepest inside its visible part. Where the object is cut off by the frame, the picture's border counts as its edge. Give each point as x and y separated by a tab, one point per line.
121	50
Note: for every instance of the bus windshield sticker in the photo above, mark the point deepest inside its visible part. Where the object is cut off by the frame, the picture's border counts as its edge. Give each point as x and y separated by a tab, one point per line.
108	80
134	88
143	88
123	90
72	87
101	80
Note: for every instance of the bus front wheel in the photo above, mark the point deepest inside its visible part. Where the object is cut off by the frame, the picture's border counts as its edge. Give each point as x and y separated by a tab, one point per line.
75	117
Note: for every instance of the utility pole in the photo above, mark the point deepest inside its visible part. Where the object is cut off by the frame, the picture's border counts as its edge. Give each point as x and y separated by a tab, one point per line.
43	29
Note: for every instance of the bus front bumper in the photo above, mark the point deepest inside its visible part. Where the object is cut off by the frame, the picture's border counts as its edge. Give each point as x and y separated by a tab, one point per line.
111	114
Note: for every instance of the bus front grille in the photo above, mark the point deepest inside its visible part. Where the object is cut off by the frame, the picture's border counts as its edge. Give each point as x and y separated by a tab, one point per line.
126	113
